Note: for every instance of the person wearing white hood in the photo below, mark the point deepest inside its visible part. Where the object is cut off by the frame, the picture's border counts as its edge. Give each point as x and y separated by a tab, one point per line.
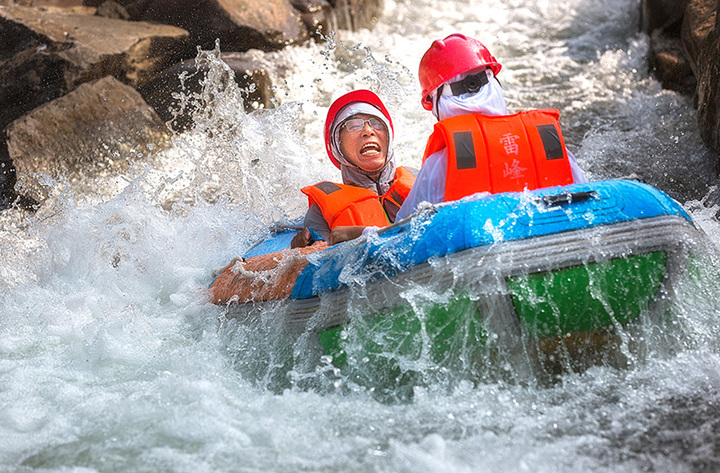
476	145
359	141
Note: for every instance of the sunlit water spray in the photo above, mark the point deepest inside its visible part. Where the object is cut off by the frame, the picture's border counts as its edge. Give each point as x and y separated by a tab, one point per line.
111	358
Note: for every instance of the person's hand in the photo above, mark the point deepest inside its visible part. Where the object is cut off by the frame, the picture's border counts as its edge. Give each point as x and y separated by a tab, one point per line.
345	233
302	239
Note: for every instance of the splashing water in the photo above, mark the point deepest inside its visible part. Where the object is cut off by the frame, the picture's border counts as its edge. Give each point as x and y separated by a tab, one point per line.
111	358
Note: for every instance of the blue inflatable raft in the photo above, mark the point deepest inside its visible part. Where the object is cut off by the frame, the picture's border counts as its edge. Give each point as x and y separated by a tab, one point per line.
550	265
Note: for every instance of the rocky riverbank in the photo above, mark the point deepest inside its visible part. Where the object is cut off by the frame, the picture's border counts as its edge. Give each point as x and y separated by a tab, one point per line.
88	85
685	55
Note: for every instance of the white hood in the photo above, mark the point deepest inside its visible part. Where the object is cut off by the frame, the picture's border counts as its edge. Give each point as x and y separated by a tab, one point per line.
489	100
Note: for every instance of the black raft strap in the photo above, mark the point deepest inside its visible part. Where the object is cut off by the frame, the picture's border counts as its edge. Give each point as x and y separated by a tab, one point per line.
327	187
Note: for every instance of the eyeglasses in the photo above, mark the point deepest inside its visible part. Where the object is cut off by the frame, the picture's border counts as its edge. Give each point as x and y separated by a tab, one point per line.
357	124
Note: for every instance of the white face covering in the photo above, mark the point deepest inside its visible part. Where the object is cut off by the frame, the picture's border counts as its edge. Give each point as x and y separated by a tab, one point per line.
352	174
489	100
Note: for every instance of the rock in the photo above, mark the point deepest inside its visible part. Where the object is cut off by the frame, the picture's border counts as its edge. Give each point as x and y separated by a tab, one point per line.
357	14
251	74
668	61
46	3
254	74
708	91
317	16
697	24
7	177
684	36
52	51
45	53
112	9
97	3
661	14
240	25
86	137
701	38
662	20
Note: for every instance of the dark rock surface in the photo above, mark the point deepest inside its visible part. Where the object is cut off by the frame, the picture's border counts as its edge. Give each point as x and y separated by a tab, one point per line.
238	24
249	72
50	48
701	37
46	53
83	137
685	55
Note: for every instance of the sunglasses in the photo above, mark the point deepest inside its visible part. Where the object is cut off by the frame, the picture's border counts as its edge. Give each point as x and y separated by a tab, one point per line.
357	124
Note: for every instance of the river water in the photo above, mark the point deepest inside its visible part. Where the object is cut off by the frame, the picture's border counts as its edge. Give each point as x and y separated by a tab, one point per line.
112	360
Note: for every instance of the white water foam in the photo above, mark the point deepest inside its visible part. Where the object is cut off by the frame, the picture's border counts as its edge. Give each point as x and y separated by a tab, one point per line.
111	359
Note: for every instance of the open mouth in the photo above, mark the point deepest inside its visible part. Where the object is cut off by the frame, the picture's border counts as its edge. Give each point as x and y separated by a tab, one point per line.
370	149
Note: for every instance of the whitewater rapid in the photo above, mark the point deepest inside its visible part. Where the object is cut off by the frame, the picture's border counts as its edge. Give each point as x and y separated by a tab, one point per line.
111	358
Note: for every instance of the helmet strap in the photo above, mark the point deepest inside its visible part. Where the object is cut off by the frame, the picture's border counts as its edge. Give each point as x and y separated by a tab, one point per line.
438	93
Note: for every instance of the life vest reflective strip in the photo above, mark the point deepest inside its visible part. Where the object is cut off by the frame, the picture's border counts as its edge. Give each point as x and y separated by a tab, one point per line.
501	153
342	204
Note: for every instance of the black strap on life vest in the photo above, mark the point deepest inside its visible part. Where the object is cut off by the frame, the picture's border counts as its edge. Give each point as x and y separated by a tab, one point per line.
464	150
551	141
327	187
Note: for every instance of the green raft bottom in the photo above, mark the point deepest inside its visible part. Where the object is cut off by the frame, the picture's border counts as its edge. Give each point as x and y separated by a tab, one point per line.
575	300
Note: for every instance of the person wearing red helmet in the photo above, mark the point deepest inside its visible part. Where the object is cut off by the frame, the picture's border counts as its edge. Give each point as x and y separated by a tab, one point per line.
476	145
359	141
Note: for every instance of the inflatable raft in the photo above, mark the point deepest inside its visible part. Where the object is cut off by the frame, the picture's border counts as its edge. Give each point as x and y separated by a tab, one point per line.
546	265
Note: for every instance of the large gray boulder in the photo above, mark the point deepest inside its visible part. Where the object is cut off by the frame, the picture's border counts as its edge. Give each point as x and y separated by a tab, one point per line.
86	138
240	25
357	14
45	53
318	16
253	74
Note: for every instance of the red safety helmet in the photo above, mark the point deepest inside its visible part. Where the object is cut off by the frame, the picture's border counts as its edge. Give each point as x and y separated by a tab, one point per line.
361	95
450	57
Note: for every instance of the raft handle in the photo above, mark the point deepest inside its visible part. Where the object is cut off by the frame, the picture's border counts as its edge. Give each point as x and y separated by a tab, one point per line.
567	198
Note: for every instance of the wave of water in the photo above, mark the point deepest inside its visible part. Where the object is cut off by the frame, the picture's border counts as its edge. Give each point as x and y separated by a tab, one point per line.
111	359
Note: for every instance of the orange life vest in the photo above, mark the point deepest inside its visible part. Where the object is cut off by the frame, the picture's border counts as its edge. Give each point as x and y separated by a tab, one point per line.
501	153
342	204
